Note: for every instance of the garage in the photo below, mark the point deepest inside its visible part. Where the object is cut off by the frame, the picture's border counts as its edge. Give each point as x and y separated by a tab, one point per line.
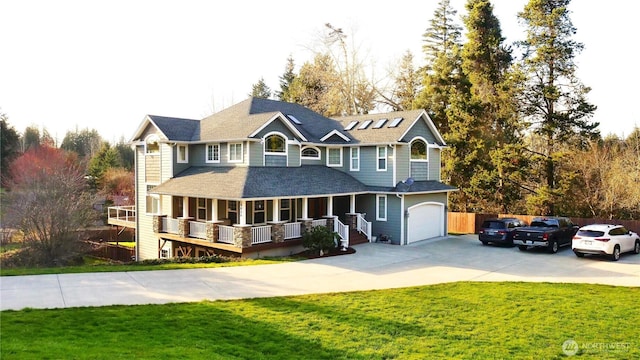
425	221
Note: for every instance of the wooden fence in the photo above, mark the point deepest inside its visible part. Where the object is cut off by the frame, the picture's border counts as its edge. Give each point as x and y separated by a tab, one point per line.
111	251
470	223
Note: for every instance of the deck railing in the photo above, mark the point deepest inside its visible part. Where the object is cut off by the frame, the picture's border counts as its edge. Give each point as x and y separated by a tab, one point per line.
363	226
225	234
260	234
198	229
170	225
292	230
342	230
125	213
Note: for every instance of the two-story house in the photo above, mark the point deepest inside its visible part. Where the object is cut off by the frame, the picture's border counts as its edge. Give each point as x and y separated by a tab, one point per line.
250	179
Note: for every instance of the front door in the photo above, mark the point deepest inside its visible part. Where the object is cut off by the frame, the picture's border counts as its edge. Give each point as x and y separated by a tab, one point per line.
317	208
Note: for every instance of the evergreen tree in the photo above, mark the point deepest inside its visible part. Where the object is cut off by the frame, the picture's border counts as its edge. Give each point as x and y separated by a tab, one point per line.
10	147
85	142
105	159
260	90
553	100
286	80
440	75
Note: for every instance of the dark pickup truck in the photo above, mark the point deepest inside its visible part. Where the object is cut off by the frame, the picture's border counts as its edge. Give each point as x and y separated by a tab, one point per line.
547	232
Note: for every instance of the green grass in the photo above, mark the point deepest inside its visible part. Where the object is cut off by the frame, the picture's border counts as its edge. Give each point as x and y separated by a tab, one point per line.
129	244
446	321
97	265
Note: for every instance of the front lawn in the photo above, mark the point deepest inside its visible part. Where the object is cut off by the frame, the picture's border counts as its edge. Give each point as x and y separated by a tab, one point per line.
92	264
456	320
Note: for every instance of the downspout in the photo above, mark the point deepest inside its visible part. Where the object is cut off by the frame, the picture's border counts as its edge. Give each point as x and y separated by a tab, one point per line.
135	169
402	219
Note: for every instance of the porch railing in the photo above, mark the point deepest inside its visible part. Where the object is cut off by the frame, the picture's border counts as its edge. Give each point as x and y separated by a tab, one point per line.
260	234
363	226
292	230
342	230
225	234
319	222
198	229
126	213
170	225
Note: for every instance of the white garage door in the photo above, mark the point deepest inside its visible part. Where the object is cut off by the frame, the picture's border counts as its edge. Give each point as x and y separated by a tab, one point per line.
426	220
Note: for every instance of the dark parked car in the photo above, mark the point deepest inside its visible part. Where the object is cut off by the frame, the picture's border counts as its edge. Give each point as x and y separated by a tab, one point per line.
499	231
546	232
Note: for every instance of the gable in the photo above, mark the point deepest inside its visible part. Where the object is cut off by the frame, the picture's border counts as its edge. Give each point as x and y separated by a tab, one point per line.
420	129
276	125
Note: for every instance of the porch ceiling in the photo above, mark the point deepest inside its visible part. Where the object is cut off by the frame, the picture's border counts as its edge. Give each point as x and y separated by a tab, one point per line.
260	182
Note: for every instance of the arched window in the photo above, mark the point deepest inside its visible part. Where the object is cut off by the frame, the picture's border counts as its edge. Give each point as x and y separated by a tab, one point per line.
275	144
418	150
151	144
310	153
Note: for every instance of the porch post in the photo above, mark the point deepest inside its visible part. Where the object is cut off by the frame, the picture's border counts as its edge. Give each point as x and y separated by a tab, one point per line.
352	205
242	212
185	206
276	210
214	210
305	208
329	205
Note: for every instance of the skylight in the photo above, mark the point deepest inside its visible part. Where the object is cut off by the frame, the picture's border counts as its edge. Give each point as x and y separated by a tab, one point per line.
395	122
365	124
380	123
351	125
293	118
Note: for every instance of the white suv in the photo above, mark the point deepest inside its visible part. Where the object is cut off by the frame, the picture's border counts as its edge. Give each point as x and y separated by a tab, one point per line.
603	239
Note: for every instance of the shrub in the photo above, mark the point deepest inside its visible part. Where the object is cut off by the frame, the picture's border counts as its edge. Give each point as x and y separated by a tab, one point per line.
319	239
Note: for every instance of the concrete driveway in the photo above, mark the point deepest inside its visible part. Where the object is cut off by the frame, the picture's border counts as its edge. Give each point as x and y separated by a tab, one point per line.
373	266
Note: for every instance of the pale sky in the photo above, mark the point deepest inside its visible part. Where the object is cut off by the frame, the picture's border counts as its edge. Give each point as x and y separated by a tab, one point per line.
104	65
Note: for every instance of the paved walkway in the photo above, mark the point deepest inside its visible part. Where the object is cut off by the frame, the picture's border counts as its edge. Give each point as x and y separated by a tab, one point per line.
373	266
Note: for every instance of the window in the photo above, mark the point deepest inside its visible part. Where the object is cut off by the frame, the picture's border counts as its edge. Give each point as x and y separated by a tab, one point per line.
202	209
285	210
395	122
381	207
355	159
164	254
334	156
310	153
365	124
213	153
232	211
183	154
274	144
380	123
351	125
418	150
153	204
235	152
151	145
258	212
382	158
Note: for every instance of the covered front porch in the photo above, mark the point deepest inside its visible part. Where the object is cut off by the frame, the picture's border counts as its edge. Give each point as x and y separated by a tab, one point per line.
248	225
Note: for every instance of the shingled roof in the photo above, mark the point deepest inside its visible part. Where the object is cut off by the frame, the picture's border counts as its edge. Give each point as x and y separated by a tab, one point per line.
273	182
243	120
177	129
260	182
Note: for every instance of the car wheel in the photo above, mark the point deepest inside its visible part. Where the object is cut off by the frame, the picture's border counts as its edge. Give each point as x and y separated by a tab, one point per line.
578	254
636	248
553	247
522	247
485	243
616	253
